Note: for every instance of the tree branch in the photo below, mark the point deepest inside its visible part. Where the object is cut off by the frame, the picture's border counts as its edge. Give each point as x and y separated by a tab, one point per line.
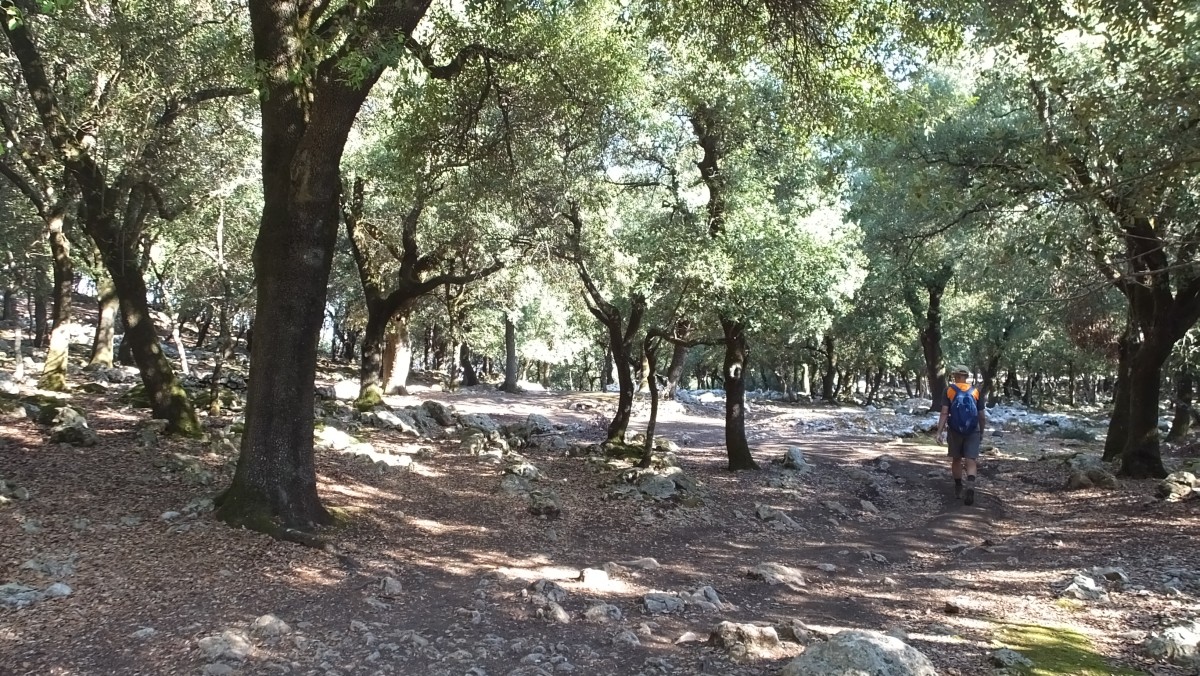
455	66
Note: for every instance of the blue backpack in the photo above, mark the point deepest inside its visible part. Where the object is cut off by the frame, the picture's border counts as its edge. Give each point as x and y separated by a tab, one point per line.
964	412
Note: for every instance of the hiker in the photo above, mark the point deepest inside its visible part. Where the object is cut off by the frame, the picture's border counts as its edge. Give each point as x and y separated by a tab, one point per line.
961	425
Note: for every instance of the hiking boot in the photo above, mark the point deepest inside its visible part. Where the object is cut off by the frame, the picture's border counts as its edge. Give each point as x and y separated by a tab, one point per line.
970	496
957	491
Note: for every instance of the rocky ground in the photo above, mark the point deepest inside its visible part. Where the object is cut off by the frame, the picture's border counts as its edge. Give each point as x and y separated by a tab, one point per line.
488	534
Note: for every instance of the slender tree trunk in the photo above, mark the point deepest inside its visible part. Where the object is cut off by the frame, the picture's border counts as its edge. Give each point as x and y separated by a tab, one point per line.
805	381
650	359
106	323
18	349
736	446
469	377
1185	390
510	356
931	346
54	374
40	325
1142	458
1071	384
621	358
202	330
874	390
606	378
830	376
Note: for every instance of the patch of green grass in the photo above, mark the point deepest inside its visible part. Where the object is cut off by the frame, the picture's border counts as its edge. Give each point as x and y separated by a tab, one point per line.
1073	605
1057	651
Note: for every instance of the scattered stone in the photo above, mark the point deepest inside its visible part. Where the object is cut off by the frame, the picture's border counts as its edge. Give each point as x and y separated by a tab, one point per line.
1084	588
131	521
144	633
17	595
230	644
216	669
1115	575
657	486
390	586
479	421
775	517
524	470
547	590
659	603
593	577
1010	659
602	613
70	427
836	507
827	567
346	390
626	639
794	631
512	484
644	563
794	459
746	640
777	573
554	612
688	637
545	504
868	506
169	516
440	412
860	653
269	625
1178	644
706	598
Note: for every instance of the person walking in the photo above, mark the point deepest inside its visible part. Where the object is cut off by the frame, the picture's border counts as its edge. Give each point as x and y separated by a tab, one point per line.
960	426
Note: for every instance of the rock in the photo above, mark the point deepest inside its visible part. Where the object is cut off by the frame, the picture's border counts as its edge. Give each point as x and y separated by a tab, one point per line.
473	443
836	507
777	573
827	567
515	485
644	563
868	506
1084	588
705	598
1176	487
626	639
794	631
269	625
216	669
345	390
860	653
593	577
388	420
774	516
390	586
659	603
548	590
479	421
1177	644
331	438
524	470
794	458
440	412
746	640
70	427
657	486
602	613
1010	659
1078	480
545	504
538	424
169	516
228	645
553	612
144	633
1102	478
1114	575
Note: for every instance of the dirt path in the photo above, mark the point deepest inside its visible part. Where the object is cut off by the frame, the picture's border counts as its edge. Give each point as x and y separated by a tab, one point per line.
461	554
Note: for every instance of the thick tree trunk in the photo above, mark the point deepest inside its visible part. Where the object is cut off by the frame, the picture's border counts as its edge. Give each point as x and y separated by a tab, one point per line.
469	377
1142	458
510	356
1118	425
931	346
679	355
736	446
397	370
1185	390
370	367
54	374
125	352
106	324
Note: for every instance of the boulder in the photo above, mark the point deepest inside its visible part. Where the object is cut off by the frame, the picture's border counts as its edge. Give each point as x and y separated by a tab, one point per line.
746	640
426	423
794	459
345	390
1176	487
602	613
269	625
546	591
545	504
1084	588
228	645
1010	659
657	486
479	421
70	427
659	603
440	413
512	484
1177	644
860	653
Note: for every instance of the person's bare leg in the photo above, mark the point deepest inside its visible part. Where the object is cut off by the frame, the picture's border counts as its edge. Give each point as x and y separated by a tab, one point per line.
969	497
956	470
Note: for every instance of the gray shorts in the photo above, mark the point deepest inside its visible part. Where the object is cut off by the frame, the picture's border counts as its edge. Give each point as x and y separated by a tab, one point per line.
960	446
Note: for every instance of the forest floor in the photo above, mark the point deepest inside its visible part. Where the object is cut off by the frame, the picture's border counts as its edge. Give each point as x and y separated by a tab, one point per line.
431	574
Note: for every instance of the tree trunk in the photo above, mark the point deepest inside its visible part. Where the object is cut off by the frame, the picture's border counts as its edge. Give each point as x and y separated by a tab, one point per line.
736	446
679	355
398	368
1071	384
620	421
1141	458
370	368
1185	390
829	377
650	359
874	390
18	350
931	346
510	356
1118	426
168	399
40	325
54	374
106	323
202	330
606	378
125	352
469	377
